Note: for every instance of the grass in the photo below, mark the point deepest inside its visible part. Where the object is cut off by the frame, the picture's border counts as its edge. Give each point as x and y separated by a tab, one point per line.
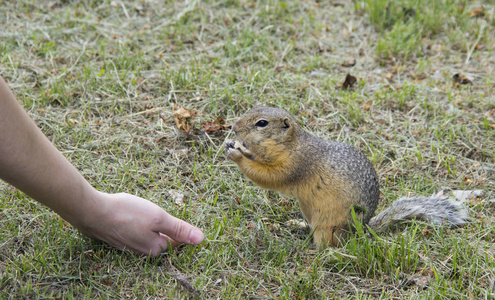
409	26
100	78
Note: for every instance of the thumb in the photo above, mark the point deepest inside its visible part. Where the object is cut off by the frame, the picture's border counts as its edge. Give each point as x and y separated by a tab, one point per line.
180	230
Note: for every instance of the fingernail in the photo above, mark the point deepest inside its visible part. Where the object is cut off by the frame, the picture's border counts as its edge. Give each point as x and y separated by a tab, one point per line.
196	236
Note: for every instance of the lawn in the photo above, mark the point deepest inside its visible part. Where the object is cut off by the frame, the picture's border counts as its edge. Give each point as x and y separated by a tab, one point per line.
102	79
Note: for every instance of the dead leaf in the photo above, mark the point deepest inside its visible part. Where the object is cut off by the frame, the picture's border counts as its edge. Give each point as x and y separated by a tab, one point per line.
182	112
221	121
183	119
213	126
477	12
210	126
461	79
348	82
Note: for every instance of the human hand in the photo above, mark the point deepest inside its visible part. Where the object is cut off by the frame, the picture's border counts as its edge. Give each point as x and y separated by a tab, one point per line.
133	223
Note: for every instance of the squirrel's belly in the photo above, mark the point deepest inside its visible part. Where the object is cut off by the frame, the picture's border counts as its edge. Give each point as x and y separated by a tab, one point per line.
324	204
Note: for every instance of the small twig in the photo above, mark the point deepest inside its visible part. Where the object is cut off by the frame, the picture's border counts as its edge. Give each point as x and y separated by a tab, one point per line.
148	111
182	279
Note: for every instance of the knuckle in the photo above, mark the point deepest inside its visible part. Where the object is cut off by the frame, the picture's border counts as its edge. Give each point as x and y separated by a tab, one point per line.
156	221
180	231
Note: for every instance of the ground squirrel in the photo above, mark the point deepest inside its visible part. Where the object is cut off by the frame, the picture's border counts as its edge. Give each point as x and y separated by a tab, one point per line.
328	178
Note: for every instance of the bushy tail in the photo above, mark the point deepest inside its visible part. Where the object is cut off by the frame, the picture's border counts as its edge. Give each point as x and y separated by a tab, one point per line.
437	210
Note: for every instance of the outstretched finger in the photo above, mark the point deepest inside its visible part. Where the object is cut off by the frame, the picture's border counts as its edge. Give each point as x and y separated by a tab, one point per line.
178	230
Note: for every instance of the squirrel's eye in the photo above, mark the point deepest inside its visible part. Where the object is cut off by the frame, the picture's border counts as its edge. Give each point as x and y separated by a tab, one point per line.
261	123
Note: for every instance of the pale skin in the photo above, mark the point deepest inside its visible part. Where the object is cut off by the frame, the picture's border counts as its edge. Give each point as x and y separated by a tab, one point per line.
31	163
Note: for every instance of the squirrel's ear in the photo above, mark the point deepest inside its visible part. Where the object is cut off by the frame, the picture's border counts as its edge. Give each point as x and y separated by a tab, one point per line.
287	125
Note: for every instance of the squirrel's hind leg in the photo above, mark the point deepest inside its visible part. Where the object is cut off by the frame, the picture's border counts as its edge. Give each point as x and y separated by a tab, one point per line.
333	236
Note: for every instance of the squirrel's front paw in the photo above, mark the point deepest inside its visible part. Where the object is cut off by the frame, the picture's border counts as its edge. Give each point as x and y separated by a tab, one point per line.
233	150
234	154
229	144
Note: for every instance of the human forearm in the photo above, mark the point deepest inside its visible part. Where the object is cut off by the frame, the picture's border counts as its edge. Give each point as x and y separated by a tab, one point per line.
30	162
